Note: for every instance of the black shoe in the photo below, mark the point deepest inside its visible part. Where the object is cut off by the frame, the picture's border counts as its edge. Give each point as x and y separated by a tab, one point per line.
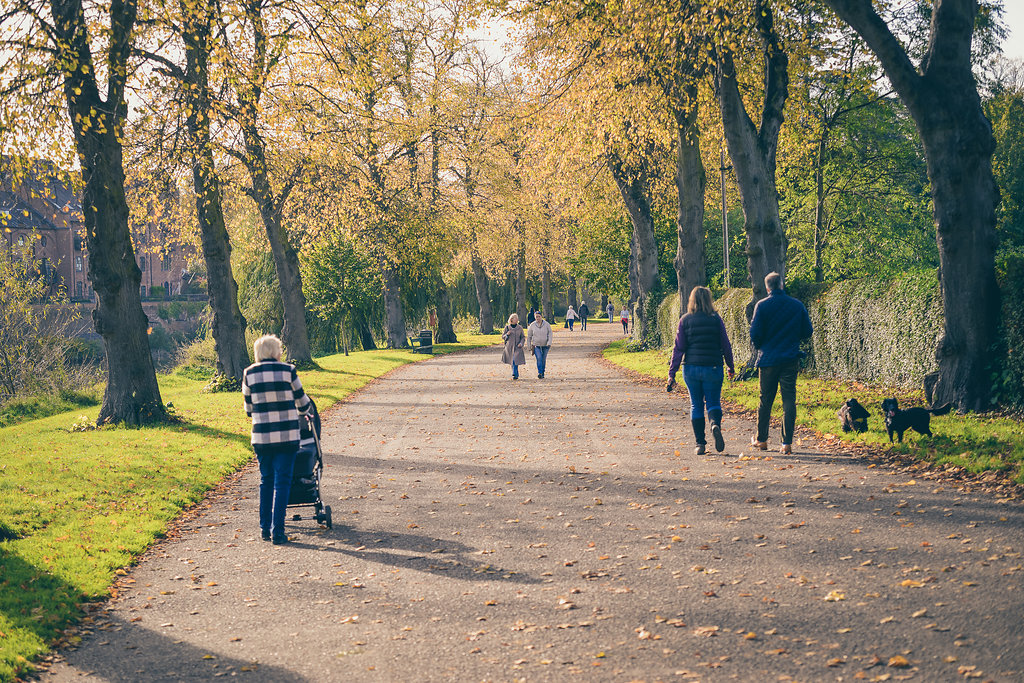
265	534
540	375
280	540
716	432
700	449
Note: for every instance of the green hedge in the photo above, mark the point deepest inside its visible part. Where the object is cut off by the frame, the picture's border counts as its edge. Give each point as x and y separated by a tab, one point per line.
881	332
1008	373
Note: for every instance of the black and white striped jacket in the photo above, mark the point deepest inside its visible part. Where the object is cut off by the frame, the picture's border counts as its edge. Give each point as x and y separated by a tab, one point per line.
273	399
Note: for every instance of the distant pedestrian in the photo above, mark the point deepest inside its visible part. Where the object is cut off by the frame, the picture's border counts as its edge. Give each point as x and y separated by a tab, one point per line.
514	339
274	399
584	313
611	312
701	344
538	340
778	325
624	319
570	317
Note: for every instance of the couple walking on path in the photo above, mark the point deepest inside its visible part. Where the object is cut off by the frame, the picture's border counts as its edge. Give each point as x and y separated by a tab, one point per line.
537	338
572	315
778	325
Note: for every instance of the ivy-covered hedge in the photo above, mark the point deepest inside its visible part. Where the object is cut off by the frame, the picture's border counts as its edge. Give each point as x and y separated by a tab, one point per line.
881	332
1008	372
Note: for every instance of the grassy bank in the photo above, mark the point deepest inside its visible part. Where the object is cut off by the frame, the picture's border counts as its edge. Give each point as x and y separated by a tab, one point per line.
977	443
76	507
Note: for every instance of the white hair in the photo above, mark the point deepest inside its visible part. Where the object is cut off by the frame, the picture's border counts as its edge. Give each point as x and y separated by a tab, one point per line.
773	281
267	347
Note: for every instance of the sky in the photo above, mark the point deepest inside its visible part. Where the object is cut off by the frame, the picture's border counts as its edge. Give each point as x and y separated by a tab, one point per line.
1014	17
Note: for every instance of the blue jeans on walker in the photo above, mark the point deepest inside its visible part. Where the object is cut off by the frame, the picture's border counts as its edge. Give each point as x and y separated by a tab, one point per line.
570	323
704	382
541	354
276	463
515	371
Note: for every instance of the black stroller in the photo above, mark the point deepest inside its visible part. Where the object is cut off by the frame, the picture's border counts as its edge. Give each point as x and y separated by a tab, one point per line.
309	468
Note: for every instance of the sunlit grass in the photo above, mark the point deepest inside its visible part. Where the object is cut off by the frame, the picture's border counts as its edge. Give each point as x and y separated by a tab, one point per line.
977	443
77	506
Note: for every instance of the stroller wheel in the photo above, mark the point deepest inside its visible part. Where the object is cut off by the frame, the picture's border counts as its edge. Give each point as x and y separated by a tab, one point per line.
327	515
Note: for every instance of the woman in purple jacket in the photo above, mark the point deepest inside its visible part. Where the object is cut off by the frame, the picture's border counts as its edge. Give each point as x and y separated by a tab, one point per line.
701	344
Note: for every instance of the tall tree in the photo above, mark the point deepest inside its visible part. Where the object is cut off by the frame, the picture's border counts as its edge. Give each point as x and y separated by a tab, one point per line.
254	71
753	147
228	326
942	96
61	49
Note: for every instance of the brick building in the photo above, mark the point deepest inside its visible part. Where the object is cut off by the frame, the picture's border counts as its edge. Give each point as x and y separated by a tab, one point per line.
44	212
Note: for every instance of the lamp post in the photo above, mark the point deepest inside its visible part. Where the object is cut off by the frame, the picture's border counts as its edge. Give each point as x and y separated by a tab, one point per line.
725	218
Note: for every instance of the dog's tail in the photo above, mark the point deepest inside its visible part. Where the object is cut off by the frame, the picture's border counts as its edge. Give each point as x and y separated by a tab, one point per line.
941	410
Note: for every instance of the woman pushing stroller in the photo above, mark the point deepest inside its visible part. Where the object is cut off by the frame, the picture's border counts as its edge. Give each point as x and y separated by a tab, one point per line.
274	399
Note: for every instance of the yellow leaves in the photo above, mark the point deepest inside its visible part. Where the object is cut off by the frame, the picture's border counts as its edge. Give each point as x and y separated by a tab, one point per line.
706	631
749	635
350	620
835	596
911	583
835	661
898	662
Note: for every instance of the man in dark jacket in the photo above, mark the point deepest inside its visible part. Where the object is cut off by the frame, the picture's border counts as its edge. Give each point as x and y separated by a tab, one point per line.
583	313
778	325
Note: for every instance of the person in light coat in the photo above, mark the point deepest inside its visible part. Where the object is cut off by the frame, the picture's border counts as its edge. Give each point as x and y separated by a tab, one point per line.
538	340
570	317
514	340
611	312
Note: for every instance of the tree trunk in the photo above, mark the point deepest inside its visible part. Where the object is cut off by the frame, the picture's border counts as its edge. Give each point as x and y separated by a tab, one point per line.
545	293
521	273
643	249
132	395
395	315
365	333
445	328
573	293
604	305
690	184
752	151
228	326
958	143
483	293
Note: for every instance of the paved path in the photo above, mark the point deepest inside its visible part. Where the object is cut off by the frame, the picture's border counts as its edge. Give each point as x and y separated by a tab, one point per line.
561	529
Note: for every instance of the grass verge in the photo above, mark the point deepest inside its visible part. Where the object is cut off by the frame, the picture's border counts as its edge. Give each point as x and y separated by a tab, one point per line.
977	444
21	410
77	507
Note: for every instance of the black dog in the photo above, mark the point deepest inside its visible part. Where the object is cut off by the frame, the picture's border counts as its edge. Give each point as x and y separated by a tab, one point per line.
853	416
899	421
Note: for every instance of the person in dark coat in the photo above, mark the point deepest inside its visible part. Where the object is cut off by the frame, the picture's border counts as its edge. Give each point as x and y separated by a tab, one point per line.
778	325
274	399
514	338
583	313
701	344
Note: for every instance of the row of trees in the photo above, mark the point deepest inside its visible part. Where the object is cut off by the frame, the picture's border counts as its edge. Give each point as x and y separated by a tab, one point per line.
796	90
377	148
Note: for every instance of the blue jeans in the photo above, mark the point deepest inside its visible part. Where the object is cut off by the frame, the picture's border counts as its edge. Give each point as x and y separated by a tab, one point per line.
704	382
570	323
276	463
515	371
541	354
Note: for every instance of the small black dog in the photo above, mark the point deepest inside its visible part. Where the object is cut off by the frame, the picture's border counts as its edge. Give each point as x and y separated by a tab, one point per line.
899	421
853	416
